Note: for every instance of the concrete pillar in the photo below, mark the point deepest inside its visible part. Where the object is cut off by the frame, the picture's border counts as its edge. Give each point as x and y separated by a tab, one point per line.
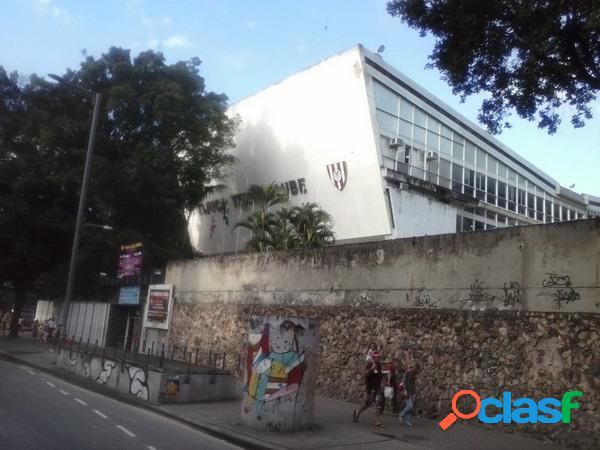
280	373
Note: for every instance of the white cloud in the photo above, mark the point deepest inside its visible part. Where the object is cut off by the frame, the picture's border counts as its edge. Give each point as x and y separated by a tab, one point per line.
177	41
47	8
154	43
147	21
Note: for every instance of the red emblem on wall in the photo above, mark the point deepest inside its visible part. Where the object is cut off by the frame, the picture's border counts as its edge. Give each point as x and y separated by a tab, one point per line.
338	174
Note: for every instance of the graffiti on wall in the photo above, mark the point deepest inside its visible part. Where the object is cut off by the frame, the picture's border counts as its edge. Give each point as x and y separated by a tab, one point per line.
138	383
424	300
478	295
106	372
512	293
274	364
562	287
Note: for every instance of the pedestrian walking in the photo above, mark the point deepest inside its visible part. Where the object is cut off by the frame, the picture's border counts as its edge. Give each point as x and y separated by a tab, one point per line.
372	348
373	387
408	384
35	328
390	389
51	328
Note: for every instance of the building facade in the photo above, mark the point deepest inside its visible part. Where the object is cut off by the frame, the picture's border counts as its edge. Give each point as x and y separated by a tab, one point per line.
383	156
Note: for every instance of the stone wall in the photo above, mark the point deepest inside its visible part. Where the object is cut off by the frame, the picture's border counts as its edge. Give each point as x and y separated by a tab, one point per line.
513	309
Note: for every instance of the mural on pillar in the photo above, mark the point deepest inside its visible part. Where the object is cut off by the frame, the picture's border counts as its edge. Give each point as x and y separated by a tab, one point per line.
274	364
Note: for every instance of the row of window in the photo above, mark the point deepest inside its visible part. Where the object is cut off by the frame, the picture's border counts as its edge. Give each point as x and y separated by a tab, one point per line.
440	155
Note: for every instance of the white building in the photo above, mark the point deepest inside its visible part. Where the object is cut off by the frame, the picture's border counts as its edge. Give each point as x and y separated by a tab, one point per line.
382	155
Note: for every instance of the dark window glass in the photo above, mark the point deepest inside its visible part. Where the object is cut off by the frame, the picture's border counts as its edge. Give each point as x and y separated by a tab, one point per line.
521	201
539	207
501	194
479	225
457	177
467	224
491	190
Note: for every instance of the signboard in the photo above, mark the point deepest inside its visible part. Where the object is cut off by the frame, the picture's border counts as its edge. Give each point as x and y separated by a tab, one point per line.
157	313
130	260
129	295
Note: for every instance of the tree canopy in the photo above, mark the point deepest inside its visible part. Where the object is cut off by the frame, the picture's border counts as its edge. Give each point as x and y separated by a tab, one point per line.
162	140
530	56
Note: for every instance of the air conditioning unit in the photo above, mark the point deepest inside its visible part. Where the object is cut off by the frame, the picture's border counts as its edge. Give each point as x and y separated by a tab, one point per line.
396	142
432	155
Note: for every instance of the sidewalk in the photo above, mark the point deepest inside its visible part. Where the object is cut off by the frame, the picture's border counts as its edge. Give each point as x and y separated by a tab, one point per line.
333	427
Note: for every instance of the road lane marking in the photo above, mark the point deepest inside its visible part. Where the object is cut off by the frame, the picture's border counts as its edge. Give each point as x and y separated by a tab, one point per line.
125	430
63	392
151	448
104	416
31	372
81	401
50	384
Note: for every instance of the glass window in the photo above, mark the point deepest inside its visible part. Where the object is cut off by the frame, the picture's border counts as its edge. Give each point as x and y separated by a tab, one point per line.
512	175
491	190
387	122
512	222
501	194
432	170
480	185
491	215
433	141
479	225
556	212
469	181
572	215
548	211
502	170
386	99
539	208
420	117
406	110
458	150
501	219
457	177
417	158
445	173
419	135
521	201
433	125
467	224
492	165
565	214
512	198
531	205
446	146
480	159
446	132
469	153
405	129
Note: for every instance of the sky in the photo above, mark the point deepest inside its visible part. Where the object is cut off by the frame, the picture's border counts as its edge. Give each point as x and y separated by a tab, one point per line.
246	46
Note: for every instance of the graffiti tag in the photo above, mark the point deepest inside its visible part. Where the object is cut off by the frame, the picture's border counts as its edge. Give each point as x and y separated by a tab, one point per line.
478	295
512	293
563	288
424	300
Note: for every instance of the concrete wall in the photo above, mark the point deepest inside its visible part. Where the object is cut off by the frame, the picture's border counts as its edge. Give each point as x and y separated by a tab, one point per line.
536	268
512	309
149	384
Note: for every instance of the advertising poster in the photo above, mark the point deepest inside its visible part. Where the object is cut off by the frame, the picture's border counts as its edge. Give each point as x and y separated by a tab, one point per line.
130	260
158	307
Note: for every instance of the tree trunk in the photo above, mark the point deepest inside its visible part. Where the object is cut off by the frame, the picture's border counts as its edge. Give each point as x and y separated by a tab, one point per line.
20	296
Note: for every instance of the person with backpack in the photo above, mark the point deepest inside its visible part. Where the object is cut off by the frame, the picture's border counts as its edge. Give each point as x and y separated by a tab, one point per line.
408	385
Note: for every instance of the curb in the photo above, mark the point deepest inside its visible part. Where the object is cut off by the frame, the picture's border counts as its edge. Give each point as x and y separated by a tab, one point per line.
246	442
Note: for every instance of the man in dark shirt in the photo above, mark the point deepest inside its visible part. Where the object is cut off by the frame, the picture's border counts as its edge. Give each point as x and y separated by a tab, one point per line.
408	384
374	394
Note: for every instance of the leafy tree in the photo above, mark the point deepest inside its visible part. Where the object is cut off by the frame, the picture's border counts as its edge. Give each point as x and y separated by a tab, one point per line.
304	226
312	225
162	140
531	56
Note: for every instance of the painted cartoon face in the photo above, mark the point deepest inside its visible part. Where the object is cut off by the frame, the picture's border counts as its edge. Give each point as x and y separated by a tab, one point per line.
282	340
172	388
254	338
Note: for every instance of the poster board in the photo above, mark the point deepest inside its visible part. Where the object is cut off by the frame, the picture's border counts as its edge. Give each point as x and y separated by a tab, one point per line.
129	295
130	260
159	306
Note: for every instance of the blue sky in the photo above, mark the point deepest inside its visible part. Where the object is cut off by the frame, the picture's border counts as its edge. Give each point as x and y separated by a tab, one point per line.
246	46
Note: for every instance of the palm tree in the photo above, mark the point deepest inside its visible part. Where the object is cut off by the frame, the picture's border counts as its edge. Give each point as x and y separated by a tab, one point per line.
259	223
313	226
283	234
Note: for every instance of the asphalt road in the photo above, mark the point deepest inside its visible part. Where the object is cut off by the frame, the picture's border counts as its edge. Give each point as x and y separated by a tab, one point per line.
39	411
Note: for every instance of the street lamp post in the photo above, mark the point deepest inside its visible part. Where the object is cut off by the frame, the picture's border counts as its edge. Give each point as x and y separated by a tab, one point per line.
82	200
